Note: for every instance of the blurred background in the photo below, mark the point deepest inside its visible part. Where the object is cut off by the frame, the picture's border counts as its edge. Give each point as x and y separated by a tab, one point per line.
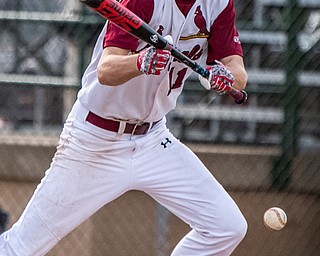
265	153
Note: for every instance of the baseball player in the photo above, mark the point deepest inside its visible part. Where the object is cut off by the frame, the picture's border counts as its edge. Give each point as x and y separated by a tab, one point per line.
115	139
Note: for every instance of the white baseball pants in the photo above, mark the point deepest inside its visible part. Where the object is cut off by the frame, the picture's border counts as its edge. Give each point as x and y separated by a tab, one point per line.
93	166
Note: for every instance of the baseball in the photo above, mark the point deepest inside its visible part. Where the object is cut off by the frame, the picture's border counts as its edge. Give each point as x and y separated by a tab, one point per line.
275	218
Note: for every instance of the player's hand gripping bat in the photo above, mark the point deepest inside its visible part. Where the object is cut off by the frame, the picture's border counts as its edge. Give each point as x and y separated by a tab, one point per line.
130	22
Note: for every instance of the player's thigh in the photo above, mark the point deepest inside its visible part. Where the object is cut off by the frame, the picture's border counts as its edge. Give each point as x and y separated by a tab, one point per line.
69	194
189	190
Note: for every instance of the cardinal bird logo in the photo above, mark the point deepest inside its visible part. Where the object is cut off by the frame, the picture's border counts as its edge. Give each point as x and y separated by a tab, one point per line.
201	24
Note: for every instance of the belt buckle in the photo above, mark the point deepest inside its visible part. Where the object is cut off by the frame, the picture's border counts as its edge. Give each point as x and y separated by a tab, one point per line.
135	127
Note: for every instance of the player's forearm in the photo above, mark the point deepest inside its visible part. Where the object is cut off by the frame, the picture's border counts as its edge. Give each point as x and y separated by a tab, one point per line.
240	77
236	66
114	70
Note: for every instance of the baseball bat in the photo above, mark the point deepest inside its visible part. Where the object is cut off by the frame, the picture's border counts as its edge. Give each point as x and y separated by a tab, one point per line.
121	16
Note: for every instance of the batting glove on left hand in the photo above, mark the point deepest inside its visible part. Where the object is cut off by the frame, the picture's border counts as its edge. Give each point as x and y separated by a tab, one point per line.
220	78
152	61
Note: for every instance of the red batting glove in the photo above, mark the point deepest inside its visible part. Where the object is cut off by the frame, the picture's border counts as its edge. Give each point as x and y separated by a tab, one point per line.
152	61
220	78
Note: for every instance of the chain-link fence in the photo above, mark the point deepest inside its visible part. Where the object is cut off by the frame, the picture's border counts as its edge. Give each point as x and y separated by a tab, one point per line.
265	152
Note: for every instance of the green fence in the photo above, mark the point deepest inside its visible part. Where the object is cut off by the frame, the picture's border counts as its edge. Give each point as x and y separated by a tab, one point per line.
265	152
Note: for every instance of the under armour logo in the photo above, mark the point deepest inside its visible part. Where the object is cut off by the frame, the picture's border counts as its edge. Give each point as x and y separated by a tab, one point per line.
166	142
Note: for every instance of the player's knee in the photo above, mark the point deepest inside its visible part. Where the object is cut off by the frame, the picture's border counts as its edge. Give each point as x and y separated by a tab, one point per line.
239	229
235	226
233	231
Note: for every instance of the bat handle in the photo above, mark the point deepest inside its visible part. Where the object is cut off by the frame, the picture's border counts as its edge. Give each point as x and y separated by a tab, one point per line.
239	96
